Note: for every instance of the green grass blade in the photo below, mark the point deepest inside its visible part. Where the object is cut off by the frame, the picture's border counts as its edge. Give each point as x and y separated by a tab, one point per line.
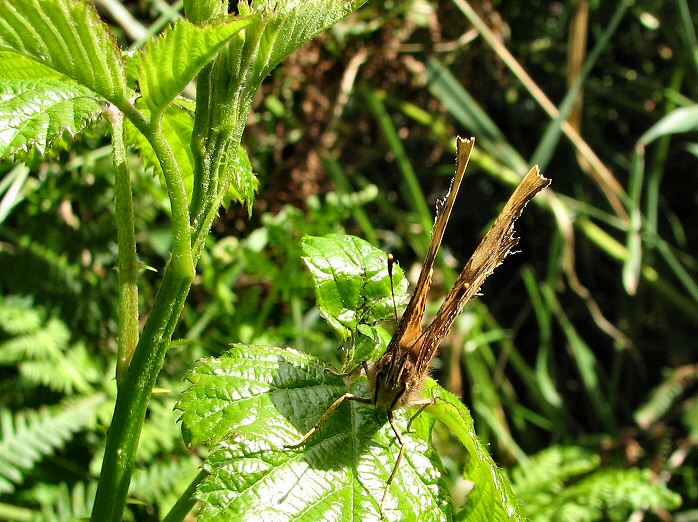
689	32
412	191
463	107
586	362
552	134
682	120
341	181
543	316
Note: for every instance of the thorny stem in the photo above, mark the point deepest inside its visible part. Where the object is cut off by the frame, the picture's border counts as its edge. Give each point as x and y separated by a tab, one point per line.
128	260
134	393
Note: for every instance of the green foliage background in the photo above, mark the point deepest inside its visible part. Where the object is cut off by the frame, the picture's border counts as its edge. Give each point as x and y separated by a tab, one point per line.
579	361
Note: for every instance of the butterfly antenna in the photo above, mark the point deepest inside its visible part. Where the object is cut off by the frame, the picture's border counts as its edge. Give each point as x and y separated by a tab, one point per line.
391	261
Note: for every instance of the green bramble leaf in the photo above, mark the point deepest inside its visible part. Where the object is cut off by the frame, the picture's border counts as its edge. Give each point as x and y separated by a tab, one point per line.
244	184
492	498
203	10
14	66
351	281
251	402
232	80
253	405
58	63
286	26
68	37
176	123
168	63
37	113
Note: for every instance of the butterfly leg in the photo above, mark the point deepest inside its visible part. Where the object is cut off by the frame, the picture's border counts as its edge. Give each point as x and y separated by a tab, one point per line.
349	373
422	406
400	456
330	411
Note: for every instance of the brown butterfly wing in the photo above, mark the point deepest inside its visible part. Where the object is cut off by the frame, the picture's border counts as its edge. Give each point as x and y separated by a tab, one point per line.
489	254
410	328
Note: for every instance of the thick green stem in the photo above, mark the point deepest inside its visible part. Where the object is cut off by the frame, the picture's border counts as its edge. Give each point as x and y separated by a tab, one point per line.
134	393
202	162
128	260
133	396
182	260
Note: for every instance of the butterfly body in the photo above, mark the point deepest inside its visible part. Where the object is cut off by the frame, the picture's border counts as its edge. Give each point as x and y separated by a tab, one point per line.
396	379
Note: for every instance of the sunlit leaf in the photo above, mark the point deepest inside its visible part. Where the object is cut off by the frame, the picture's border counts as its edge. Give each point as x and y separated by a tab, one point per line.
254	400
177	122
244	183
14	66
232	81
286	26
38	112
492	498
203	10
69	37
351	281
168	63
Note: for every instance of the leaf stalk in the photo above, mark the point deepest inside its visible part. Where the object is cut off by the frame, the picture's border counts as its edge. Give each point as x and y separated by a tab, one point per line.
128	259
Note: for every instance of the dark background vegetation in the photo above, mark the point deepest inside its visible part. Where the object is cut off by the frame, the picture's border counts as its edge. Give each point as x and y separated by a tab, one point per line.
319	141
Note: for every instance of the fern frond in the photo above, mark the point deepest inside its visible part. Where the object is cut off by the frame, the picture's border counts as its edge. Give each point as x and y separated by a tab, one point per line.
45	343
72	372
665	395
28	436
60	503
41	349
690	418
565	496
30	267
549	469
616	492
17	315
161	479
